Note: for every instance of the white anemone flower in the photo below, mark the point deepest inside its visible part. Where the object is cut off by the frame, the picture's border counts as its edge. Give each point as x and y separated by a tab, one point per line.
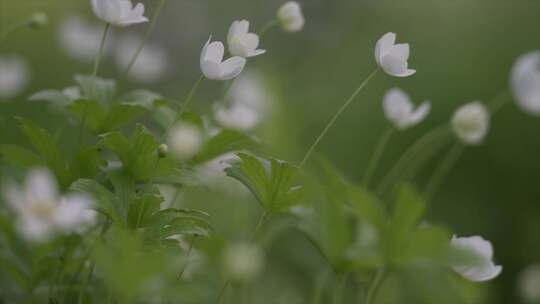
41	213
151	64
528	284
80	38
484	269
290	17
185	141
214	67
525	82
241	42
392	57
119	12
13	76
399	109
470	123
237	116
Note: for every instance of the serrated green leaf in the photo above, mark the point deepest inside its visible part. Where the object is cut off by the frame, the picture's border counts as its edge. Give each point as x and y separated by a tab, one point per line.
225	141
95	88
142	209
121	114
90	111
108	203
19	156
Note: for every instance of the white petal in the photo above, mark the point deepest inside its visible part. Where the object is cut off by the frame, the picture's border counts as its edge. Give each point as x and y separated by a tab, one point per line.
393	64
420	113
383	46
237	28
74	213
401	50
214	52
109	11
484	269
211	70
134	16
397	107
525	82
470	123
41	185
232	67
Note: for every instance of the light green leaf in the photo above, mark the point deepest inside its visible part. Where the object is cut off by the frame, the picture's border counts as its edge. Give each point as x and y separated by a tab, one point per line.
91	112
95	88
19	156
225	141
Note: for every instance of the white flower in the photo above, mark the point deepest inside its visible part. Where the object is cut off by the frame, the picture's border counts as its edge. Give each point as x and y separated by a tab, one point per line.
13	76
119	12
399	110
290	17
80	38
250	90
241	42
243	261
525	82
185	141
42	213
392	57
471	123
212	64
529	284
484	269
237	116
151	63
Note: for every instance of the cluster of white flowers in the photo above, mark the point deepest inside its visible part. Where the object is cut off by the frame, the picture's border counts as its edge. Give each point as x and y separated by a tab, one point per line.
42	213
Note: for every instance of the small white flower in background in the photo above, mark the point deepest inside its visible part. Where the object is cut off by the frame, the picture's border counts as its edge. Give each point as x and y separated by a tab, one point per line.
80	38
119	12
237	116
250	89
151	64
399	109
290	17
529	284
212	65
73	92
525	82
42	213
13	76
241	42
392	57
484	269
471	123
243	261
185	141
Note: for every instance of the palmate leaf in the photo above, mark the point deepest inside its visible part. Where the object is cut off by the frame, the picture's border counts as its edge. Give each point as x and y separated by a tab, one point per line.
107	202
95	88
273	187
101	119
166	223
225	141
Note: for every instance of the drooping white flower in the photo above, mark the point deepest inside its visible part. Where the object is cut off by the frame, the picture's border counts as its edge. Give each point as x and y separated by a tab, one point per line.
528	284
241	42
471	123
399	109
391	57
290	17
80	38
13	76
525	82
243	262
484	269
237	116
185	141
212	64
42	213
151	63
119	12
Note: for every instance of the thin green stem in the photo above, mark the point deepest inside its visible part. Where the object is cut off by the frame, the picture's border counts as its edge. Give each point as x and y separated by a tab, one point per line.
410	156
191	243
147	33
100	51
227	89
499	102
336	116
192	92
375	284
376	158
267	27
442	170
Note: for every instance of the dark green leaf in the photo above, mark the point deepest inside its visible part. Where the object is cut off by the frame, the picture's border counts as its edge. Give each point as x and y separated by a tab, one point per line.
19	156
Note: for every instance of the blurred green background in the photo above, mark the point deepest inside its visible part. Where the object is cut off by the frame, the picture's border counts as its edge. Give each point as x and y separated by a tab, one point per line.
462	50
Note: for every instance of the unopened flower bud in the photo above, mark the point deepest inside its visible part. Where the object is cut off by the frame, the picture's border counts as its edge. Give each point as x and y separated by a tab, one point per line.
162	150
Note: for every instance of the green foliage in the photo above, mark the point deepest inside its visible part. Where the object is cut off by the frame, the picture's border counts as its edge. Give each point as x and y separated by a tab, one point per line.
225	141
273	187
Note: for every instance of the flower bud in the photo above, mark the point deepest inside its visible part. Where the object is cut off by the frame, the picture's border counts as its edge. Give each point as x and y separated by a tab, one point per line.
162	150
185	141
529	284
290	17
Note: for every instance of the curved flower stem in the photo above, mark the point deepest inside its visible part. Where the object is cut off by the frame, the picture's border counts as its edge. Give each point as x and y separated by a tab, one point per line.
410	155
192	92
336	116
267	27
442	170
147	33
376	158
498	102
372	291
100	51
260	223
191	243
